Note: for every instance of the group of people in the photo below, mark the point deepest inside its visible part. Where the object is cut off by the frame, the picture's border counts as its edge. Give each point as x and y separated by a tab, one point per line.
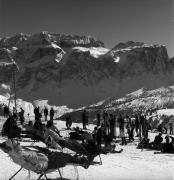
46	112
104	132
165	146
132	125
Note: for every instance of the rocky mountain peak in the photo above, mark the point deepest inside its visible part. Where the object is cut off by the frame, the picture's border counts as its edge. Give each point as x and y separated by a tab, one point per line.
77	70
127	44
46	38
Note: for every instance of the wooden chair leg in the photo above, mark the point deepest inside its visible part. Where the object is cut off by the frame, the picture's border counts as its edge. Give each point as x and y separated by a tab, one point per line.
40	176
100	160
16	173
29	175
45	176
60	174
77	172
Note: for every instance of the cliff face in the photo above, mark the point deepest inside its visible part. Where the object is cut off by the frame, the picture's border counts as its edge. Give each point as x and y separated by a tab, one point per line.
136	60
77	71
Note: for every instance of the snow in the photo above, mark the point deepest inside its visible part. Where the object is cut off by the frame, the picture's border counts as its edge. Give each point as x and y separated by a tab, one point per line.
167	112
136	47
136	93
4	86
131	164
94	51
4	64
97	104
54	46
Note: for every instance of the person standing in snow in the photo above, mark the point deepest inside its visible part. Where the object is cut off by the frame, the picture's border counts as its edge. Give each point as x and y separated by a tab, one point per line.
51	114
45	113
100	134
107	123
128	126
21	116
36	113
98	119
171	128
141	126
121	127
144	126
84	119
137	124
112	125
68	122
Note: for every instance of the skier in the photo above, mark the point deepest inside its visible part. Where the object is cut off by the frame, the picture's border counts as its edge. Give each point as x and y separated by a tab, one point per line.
45	113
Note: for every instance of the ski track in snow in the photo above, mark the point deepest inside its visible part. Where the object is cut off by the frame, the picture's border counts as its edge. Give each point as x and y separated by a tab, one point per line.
131	164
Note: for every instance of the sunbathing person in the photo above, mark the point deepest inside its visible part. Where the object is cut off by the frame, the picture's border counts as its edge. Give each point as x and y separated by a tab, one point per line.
156	144
168	147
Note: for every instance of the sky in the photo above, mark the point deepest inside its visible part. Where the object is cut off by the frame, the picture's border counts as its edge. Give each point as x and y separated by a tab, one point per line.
111	21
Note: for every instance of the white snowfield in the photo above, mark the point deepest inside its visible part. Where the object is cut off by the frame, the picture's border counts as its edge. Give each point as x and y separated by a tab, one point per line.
168	112
131	164
96	52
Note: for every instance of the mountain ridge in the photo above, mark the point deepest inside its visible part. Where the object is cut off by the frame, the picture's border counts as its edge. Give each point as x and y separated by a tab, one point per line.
78	70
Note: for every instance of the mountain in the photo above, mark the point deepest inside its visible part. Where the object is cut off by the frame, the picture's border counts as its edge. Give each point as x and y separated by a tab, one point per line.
141	100
78	70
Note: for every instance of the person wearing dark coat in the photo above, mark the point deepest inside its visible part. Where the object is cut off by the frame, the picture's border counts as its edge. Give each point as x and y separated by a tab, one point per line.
37	113
157	143
137	124
166	146
68	122
171	128
98	119
160	128
51	114
10	128
6	111
112	125
121	127
45	113
84	119
100	134
21	115
144	127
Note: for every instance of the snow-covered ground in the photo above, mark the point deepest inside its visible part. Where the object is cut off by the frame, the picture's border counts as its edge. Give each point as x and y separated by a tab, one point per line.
131	164
168	112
